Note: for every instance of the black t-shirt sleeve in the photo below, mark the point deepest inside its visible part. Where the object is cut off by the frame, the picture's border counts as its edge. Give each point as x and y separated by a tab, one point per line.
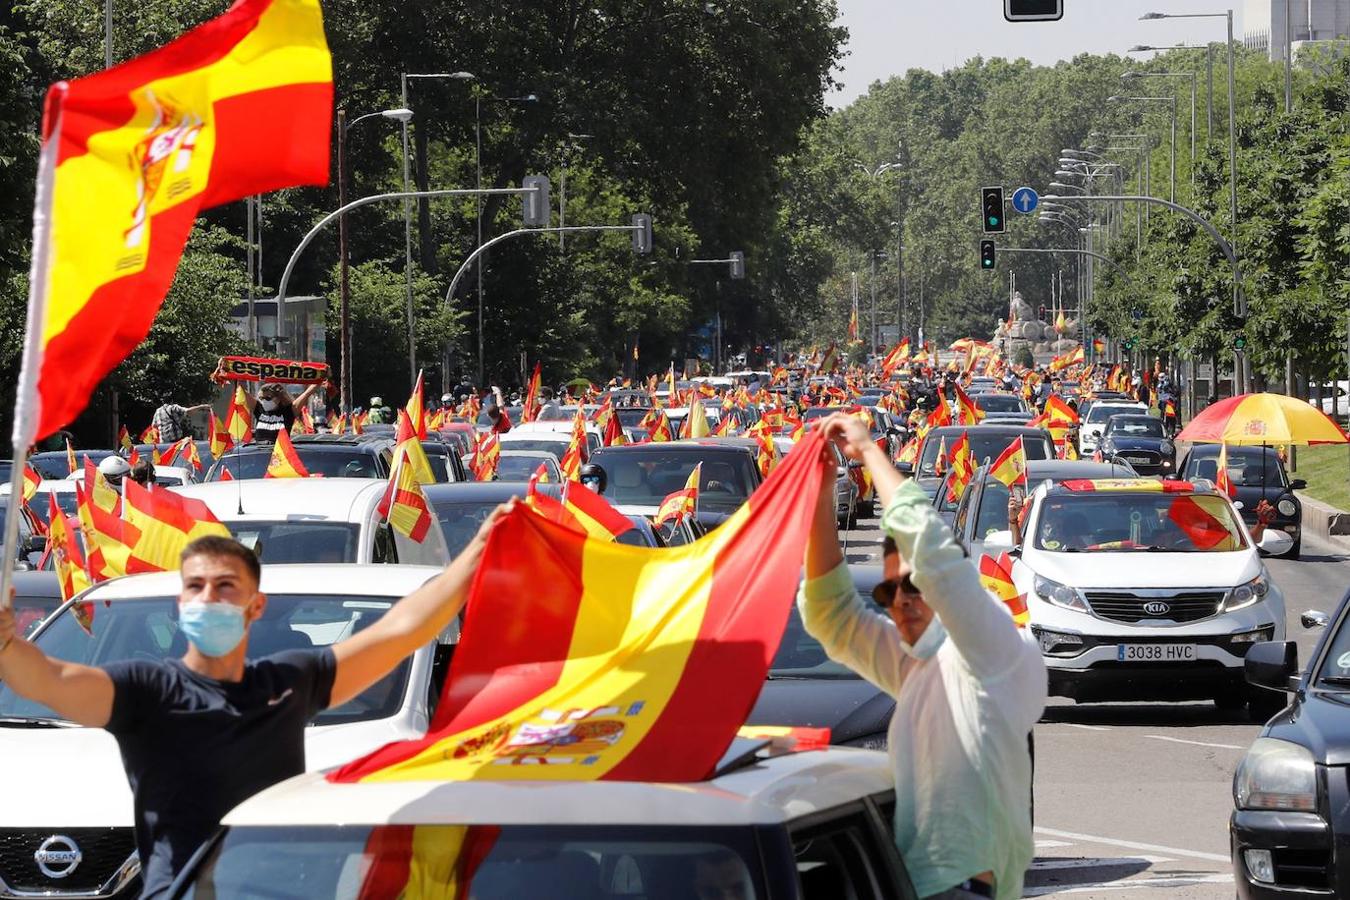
139	688
313	672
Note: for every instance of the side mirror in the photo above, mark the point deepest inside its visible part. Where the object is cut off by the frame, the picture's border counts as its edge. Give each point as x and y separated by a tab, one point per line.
1272	664
905	468
36	543
594	478
998	542
1314	619
1275	542
1298	484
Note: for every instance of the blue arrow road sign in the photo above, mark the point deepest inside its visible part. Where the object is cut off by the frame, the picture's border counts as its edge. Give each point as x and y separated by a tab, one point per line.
1025	200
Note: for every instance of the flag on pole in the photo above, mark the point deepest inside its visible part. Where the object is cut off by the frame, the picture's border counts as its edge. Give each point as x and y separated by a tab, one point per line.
31	480
221	440
695	424
996	577
403	504
405	439
65	550
1221	480
575	454
637	665
578	508
285	462
487	455
681	503
528	408
124	440
963	467
1011	465
239	418
968	411
657	425
416	409
131	155
1057	409
167	522
70	457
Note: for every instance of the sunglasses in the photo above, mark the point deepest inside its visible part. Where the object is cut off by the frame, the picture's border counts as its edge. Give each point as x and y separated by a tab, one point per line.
883	594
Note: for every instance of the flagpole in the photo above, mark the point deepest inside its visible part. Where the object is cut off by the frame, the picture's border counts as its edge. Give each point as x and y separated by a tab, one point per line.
26	406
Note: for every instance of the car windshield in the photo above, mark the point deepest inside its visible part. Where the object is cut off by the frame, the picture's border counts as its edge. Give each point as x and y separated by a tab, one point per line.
66	501
512	412
1136	426
1247	467
546	444
984	445
520	468
646	477
1335	671
30	611
1136	521
495	863
327	462
997	403
148	629
1101	412
460	520
299	541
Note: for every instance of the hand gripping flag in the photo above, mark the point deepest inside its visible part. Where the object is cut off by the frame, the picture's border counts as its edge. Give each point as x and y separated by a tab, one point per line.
285	462
586	659
578	508
167	522
996	576
403	504
1011	465
681	503
238	106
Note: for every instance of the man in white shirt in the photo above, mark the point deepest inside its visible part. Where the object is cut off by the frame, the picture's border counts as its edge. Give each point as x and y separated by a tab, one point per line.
968	685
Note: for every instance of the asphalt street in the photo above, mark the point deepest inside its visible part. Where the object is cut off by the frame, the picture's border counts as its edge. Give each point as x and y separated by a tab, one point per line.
1135	797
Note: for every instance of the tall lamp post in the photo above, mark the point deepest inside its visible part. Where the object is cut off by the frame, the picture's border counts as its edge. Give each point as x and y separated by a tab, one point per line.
1173	152
1209	78
402	114
1131	76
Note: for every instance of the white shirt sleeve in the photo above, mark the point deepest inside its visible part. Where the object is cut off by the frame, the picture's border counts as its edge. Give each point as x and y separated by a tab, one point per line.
851	632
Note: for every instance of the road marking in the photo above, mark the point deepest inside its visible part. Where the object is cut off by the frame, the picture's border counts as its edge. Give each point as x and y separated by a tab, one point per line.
1159	737
1134	885
1046	844
1042	864
1079	725
1132	845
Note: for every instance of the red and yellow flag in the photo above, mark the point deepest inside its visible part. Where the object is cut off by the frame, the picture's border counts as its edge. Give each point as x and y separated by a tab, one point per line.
487	455
695	424
238	106
941	416
963	467
124	440
683	502
996	576
221	441
968	411
31	480
167	522
1057	409
528	408
657	425
239	418
285	462
1222	482
403	504
637	664
416	409
575	454
406	440
1011	465
69	562
579	508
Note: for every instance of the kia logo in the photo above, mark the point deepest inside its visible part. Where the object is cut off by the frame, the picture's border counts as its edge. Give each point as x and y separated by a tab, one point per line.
1156	608
58	856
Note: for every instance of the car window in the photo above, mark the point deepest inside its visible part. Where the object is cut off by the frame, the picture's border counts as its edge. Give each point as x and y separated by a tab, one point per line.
645	478
495	863
299	542
802	656
1101	412
326	462
460	521
984	445
553	445
993	514
1247	467
1000	403
841	860
1135	426
148	629
521	468
963	512
1127	521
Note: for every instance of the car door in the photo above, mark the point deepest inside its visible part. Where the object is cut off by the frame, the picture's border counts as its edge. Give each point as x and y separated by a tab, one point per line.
845	853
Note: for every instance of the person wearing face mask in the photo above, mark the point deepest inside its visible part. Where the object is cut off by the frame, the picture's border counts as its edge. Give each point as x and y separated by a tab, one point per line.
968	685
203	733
275	411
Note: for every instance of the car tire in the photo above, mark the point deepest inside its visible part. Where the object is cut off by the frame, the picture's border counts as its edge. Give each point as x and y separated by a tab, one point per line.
1262	704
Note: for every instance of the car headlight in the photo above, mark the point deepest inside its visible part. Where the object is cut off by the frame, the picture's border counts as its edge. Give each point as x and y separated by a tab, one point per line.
1286	506
1243	595
1057	643
869	741
1059	594
1168	448
1277	775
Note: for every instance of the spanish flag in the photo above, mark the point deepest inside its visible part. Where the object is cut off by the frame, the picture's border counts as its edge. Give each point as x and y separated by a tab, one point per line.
285	462
31	480
968	411
963	467
70	570
996	577
575	454
578	508
636	664
487	455
657	425
683	502
167	522
1098	346
124	440
1011	465
1058	410
695	424
416	409
238	106
1221	480
527	408
221	440
239	418
403	504
405	440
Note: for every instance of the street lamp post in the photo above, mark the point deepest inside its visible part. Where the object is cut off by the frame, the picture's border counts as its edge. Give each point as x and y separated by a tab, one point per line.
1209	78
1129	76
1173	152
402	114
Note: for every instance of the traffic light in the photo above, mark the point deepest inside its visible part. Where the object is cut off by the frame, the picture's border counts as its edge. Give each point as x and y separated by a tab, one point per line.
1033	10
1239	342
986	255
737	264
642	234
991	205
537	211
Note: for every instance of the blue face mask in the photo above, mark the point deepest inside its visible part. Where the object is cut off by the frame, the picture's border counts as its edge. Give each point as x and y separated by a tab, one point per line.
928	644
214	629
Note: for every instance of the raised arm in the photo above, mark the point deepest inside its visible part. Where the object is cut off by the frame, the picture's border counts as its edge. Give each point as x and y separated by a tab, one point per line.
81	694
365	658
306	394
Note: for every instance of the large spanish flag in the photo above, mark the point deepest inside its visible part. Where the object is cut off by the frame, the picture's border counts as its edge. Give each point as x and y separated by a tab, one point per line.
238	106
585	659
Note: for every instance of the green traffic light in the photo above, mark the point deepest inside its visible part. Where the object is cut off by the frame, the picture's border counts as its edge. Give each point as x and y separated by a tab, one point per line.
993	220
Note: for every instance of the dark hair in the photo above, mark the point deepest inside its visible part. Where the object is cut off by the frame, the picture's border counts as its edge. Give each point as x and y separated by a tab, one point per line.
278	393
223	547
143	472
888	546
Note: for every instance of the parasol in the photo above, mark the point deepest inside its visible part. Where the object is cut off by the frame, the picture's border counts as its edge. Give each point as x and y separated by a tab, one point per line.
1262	419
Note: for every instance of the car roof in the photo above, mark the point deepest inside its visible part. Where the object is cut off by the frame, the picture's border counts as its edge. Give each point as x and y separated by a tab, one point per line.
327	438
694	445
767	792
985	428
378	580
35	584
483	491
272	499
1061	469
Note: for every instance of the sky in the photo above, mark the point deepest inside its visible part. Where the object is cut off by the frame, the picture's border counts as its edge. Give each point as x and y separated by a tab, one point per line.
889	37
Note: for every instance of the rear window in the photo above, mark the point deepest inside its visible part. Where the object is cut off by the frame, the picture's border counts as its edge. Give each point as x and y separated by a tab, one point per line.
1100	413
490	862
645	478
299	542
328	463
1000	403
986	445
520	468
553	446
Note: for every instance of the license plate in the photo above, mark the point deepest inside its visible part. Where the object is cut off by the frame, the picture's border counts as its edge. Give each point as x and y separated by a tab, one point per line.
1155	652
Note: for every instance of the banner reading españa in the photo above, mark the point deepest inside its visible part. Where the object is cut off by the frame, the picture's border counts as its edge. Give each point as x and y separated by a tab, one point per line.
239	106
585	659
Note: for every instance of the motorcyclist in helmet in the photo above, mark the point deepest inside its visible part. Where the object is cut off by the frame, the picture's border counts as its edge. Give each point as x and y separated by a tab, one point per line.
114	469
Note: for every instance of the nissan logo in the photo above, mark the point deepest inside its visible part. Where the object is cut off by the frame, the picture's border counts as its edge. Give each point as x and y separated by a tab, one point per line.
58	856
1156	608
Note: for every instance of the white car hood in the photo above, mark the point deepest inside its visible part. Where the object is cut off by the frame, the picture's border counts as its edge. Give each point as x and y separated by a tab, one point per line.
73	777
1142	570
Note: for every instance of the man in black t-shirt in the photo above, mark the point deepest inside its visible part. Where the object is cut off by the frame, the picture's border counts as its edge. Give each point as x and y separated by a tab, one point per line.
201	734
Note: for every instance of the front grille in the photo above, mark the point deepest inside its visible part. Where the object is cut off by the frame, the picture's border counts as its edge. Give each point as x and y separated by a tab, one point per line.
1301	868
1146	458
103	851
1182	606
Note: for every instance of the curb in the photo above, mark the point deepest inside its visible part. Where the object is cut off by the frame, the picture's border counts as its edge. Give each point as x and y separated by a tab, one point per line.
1327	522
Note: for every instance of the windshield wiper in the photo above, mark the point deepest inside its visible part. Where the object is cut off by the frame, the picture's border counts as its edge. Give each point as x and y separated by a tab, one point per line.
35	722
1334	679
